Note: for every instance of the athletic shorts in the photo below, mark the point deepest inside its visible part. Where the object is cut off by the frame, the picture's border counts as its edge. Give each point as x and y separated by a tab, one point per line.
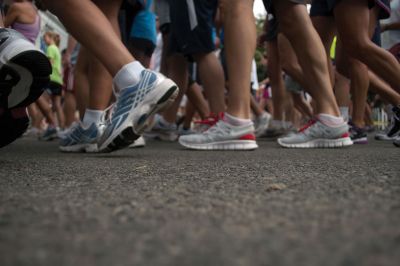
270	7
272	31
325	8
54	88
191	30
68	79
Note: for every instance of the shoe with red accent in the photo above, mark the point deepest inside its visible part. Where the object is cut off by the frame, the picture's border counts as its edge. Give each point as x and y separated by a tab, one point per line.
222	136
203	125
318	135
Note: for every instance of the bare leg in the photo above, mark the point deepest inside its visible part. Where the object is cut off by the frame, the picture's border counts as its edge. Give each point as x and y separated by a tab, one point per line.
178	72
212	76
69	108
198	101
352	19
239	25
56	100
383	89
296	25
99	78
46	110
91	29
276	79
81	81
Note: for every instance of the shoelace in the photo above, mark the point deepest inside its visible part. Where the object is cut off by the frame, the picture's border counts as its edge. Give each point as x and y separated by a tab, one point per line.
219	127
309	124
209	121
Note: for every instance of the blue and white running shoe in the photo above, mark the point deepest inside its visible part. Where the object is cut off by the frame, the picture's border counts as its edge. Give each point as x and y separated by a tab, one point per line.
79	139
134	106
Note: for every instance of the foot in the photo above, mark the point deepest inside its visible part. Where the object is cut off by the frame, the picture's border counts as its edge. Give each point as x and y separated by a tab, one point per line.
133	108
80	139
162	130
222	136
261	123
393	131
49	134
318	135
358	135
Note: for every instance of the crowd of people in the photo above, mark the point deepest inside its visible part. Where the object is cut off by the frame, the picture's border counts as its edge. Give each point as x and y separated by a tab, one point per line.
323	69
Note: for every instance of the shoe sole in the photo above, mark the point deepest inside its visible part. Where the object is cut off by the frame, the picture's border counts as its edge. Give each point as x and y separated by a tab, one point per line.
29	71
80	148
229	145
11	128
319	143
363	140
138	119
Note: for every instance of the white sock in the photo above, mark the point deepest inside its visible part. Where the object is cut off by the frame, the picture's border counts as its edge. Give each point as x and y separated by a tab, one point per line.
92	117
344	112
128	75
235	121
330	120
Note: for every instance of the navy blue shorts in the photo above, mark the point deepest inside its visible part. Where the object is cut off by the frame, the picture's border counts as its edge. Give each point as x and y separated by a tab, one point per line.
191	29
325	8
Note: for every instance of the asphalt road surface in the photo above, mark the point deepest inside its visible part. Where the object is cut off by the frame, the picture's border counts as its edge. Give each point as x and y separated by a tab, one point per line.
163	205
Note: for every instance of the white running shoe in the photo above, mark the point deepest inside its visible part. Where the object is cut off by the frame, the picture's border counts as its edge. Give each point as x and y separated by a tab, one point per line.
133	108
222	136
80	139
162	131
318	135
261	123
139	143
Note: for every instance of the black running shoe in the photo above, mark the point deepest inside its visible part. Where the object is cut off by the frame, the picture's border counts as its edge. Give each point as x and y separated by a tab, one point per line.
24	70
393	130
13	123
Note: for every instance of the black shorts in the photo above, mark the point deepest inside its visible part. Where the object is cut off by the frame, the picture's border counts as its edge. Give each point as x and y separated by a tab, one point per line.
191	29
270	7
325	8
272	31
54	88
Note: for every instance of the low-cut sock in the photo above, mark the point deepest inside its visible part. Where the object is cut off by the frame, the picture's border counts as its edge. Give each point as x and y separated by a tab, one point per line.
92	117
344	112
128	75
330	120
235	121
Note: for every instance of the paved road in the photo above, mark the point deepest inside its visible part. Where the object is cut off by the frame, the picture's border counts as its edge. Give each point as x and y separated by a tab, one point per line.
163	205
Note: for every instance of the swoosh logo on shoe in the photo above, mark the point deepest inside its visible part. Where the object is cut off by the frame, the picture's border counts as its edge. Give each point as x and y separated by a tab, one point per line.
21	90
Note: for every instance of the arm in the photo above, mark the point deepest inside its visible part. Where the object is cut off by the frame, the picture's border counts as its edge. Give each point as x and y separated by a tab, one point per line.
70	48
11	16
390	26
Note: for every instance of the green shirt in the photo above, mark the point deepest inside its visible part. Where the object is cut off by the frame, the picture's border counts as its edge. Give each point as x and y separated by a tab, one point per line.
53	53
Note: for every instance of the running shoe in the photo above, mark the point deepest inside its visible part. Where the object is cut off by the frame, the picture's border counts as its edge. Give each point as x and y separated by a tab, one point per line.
49	134
393	131
261	123
133	108
222	136
80	139
396	142
162	131
24	70
13	123
139	143
358	135
203	125
318	135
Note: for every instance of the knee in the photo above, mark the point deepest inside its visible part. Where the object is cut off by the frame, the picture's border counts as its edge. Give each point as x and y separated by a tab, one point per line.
357	47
